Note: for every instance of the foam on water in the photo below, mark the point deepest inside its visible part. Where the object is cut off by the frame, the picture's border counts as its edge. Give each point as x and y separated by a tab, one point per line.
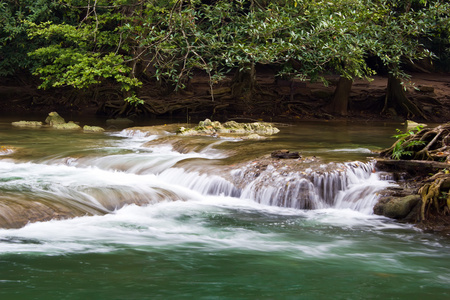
350	150
209	223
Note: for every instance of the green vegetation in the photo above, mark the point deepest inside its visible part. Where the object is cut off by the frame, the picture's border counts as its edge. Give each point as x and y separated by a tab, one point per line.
404	145
87	43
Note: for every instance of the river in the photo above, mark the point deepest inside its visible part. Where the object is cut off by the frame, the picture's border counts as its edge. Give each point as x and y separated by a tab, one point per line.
149	222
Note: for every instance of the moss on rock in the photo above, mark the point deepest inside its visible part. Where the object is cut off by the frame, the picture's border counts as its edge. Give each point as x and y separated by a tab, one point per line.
28	124
87	128
54	119
208	127
67	126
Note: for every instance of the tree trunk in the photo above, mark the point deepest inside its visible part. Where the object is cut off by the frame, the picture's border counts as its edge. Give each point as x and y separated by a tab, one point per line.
339	103
397	99
244	83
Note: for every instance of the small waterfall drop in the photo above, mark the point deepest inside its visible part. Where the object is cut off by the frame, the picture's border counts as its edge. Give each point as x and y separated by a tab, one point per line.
344	185
352	185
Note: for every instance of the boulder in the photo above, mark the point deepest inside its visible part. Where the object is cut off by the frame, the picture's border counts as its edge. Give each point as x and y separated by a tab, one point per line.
396	207
67	126
208	127
54	119
87	128
411	124
29	124
253	136
285	154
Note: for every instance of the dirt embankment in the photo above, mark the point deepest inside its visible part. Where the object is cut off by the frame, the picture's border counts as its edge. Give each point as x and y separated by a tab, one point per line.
272	100
422	170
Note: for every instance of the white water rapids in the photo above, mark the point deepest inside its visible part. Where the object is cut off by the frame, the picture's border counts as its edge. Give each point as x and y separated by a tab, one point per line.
113	217
142	175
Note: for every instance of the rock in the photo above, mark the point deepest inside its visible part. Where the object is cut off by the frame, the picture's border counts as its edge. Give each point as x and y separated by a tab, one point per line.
253	136
208	127
411	124
396	207
30	124
54	119
285	154
67	126
87	128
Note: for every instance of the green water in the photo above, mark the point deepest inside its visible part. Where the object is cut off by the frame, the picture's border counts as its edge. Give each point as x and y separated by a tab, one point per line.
193	245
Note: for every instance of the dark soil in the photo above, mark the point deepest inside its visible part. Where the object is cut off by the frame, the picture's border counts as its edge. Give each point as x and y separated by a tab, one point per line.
272	100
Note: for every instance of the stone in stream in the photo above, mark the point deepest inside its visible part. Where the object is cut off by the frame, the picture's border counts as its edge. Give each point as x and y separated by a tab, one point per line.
396	207
54	119
87	128
28	124
67	126
285	154
230	128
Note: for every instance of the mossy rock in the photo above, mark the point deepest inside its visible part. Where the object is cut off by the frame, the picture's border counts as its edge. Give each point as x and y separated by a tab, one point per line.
208	127
54	119
87	128
397	207
28	124
67	126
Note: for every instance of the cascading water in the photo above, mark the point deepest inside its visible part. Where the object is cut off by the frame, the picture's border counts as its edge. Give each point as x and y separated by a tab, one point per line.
346	185
131	174
131	215
349	185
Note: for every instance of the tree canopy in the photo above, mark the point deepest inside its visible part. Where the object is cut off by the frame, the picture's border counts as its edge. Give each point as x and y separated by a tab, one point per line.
81	43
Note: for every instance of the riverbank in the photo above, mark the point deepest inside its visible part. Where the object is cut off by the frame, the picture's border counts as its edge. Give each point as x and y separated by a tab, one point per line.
273	100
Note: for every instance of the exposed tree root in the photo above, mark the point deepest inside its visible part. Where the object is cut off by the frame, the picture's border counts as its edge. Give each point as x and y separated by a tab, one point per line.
434	144
430	144
435	196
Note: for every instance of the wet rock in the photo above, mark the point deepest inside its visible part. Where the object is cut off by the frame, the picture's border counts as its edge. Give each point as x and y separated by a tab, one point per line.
208	127
87	128
54	119
253	136
411	124
144	131
67	126
396	207
285	154
29	124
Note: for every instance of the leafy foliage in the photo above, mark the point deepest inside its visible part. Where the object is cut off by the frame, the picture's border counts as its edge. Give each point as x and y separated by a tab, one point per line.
14	19
81	43
401	147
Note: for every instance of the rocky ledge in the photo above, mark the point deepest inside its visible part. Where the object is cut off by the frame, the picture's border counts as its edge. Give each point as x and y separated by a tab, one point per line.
256	130
55	121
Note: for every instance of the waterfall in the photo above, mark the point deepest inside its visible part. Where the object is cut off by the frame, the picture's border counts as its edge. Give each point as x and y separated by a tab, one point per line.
351	185
344	185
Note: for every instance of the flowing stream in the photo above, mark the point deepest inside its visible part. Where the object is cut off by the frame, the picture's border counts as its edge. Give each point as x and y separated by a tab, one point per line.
149	215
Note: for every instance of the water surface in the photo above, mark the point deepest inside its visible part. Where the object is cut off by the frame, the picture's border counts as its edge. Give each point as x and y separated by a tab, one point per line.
185	242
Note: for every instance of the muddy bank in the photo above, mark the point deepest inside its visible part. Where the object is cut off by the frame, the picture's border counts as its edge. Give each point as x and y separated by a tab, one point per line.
273	100
423	194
